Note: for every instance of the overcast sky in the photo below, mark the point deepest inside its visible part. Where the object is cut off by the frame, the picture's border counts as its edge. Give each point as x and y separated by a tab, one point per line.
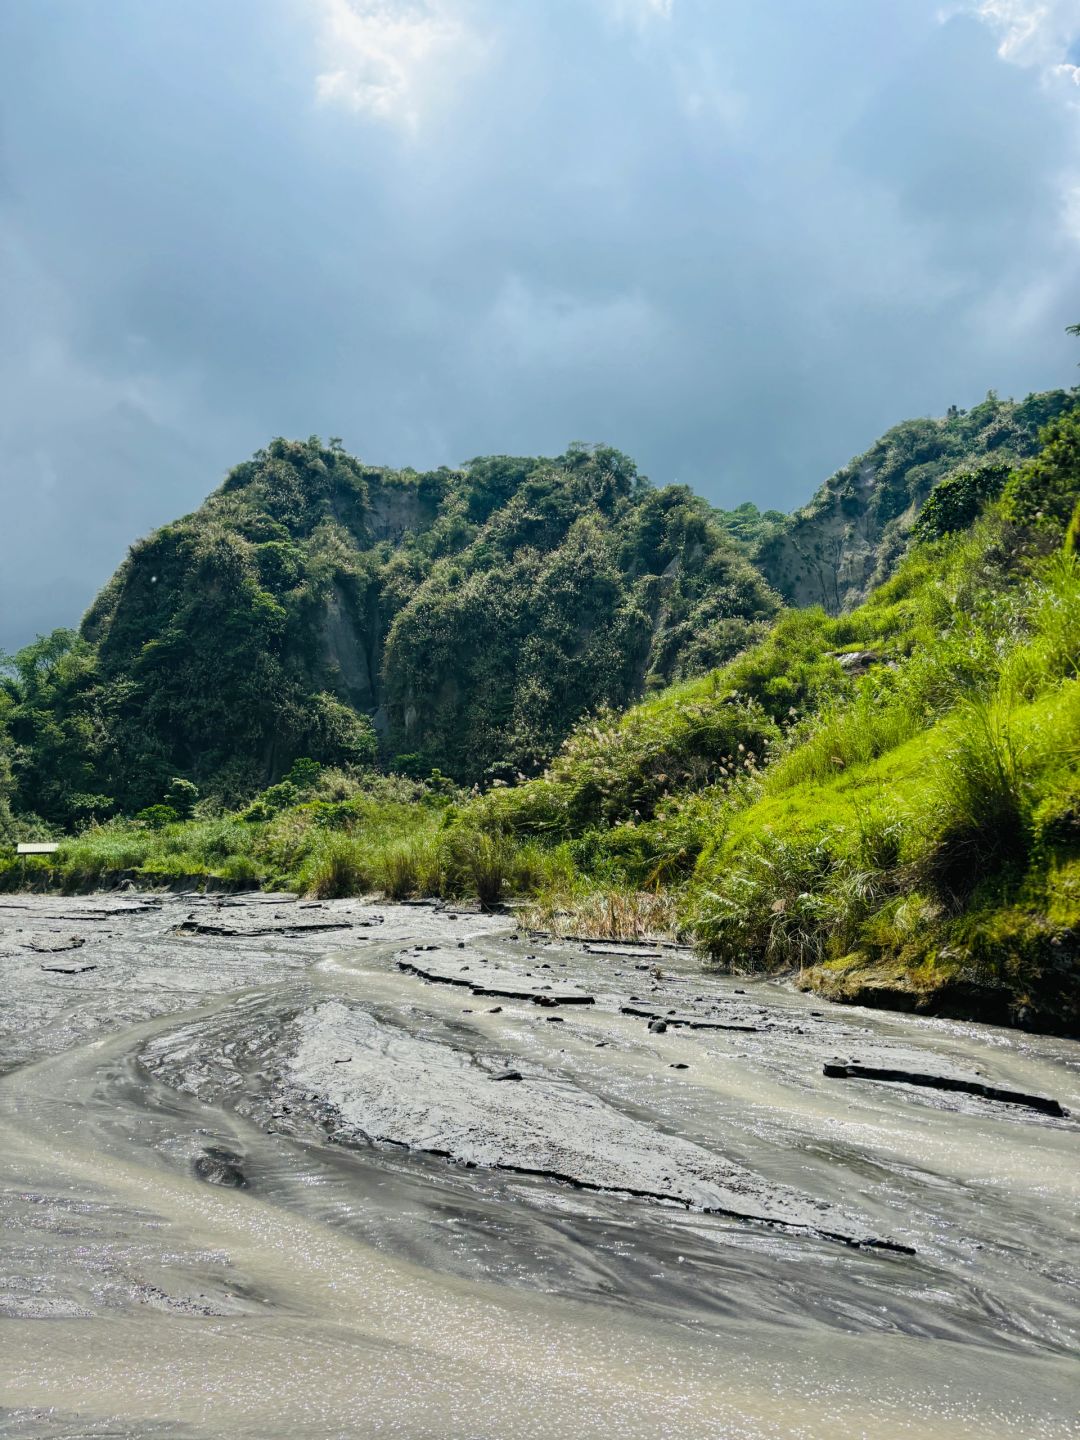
736	238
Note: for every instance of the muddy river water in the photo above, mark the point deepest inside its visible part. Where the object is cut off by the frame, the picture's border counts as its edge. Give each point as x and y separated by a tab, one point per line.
273	1168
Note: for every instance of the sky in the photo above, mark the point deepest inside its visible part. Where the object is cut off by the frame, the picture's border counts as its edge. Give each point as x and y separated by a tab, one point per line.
737	239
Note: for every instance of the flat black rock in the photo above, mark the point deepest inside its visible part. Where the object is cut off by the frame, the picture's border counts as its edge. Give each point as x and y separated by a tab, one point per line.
842	1071
690	1022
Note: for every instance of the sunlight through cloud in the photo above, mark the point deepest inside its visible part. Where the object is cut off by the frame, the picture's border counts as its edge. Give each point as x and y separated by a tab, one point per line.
388	59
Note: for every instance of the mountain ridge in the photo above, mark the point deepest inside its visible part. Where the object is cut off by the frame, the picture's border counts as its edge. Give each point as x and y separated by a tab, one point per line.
454	620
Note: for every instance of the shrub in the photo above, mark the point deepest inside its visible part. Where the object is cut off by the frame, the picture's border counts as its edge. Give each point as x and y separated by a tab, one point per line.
182	796
1043	492
767	904
304	774
156	817
958	500
272	800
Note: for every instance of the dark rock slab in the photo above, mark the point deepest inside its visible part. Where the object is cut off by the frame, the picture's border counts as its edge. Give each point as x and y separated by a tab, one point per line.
68	967
841	1070
476	973
689	1022
262	927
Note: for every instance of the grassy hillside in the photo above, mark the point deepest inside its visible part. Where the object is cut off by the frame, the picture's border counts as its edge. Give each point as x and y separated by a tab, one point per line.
887	801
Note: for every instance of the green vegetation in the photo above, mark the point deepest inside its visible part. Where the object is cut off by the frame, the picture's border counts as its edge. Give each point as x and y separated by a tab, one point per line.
471	616
885	801
852	534
748	526
956	501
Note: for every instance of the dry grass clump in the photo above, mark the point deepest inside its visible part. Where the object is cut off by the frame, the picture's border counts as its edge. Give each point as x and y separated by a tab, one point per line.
605	915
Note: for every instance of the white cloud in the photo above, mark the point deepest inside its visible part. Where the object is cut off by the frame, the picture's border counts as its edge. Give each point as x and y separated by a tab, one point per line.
391	58
1033	32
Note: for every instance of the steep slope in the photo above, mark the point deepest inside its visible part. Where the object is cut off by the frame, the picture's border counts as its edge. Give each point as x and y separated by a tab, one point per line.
852	534
459	620
885	800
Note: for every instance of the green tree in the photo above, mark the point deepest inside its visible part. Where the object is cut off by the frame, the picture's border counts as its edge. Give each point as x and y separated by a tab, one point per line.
1045	490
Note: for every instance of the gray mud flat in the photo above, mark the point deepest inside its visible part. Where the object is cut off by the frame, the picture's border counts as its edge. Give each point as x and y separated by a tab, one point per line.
274	1168
389	1086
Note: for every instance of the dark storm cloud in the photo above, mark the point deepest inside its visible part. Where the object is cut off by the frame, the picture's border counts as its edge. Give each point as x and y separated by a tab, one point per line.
737	241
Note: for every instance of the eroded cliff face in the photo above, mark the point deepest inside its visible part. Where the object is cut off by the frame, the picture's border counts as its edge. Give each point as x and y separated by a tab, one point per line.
850	536
315	605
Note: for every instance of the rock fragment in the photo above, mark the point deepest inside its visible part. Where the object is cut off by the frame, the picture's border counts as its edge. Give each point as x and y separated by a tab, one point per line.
52	944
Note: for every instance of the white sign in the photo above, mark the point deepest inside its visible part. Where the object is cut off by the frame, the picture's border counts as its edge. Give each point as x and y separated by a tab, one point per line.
49	849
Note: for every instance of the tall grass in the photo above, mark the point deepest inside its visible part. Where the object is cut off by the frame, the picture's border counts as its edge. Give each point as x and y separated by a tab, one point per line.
982	801
333	870
844	734
768	906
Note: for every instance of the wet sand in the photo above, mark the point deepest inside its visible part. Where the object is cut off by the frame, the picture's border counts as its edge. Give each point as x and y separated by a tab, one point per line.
273	1168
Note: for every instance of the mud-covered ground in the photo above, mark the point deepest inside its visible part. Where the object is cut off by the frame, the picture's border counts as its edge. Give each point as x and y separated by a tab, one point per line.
279	1168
